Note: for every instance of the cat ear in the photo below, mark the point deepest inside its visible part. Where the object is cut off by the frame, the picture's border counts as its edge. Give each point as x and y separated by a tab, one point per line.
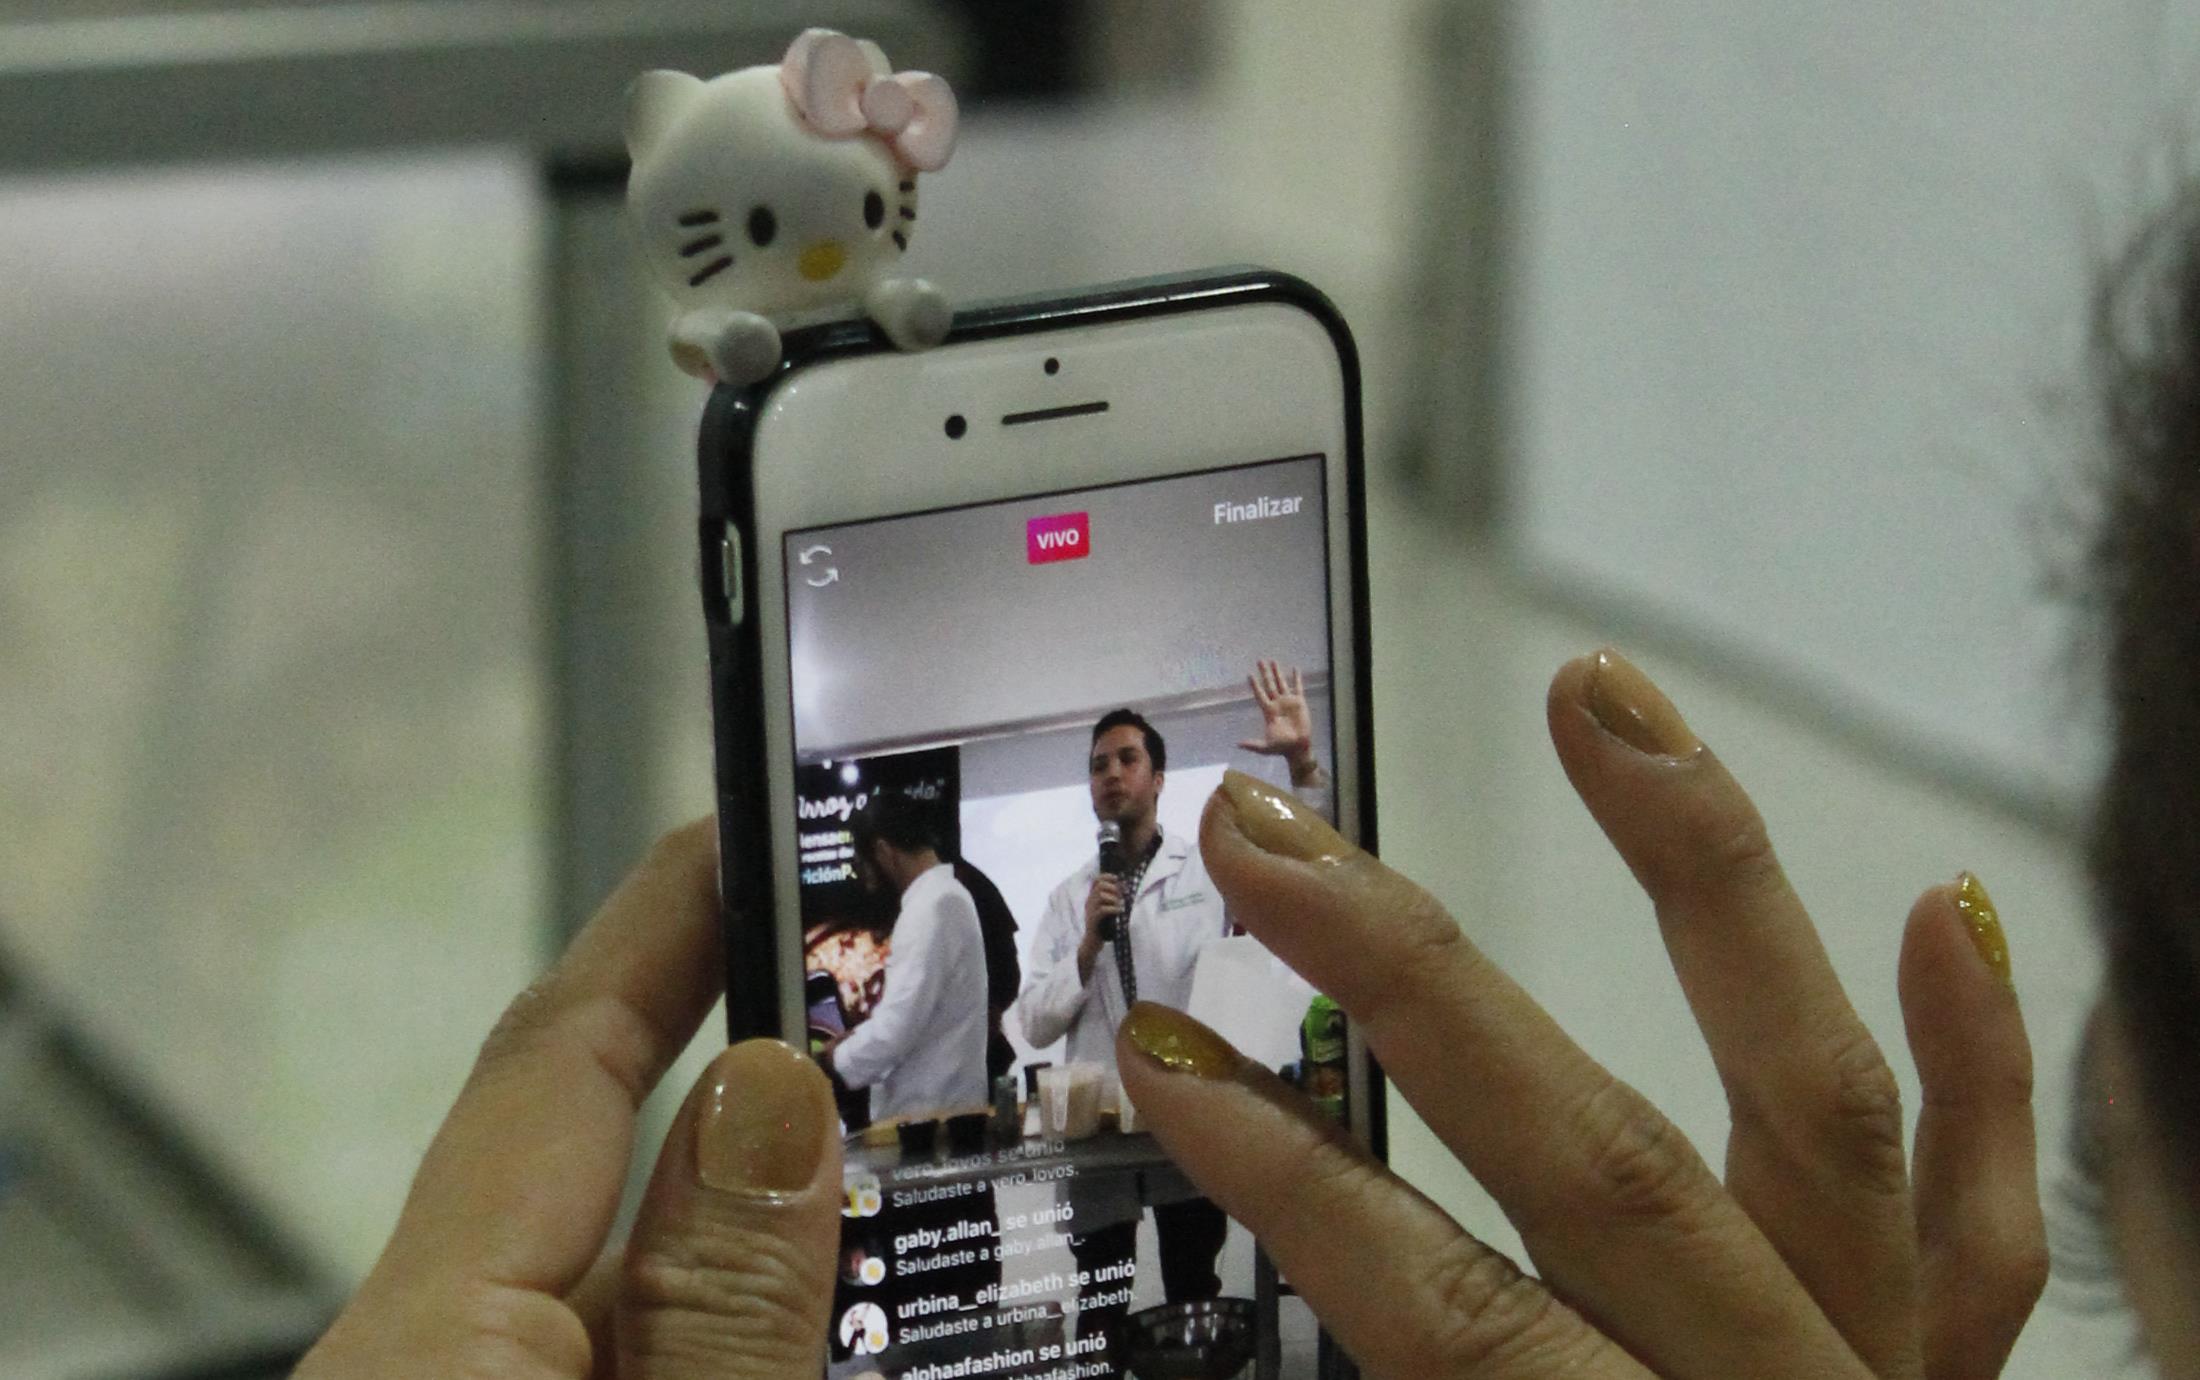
652	103
824	74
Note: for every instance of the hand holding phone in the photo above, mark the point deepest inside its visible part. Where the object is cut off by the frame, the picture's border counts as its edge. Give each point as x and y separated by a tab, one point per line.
503	1262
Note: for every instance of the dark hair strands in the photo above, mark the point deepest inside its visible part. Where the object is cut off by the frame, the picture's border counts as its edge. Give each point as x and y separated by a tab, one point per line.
895	818
2144	843
1157	749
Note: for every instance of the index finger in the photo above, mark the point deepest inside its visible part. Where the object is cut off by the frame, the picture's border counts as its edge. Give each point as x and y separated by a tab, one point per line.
522	1181
1617	1209
1394	1279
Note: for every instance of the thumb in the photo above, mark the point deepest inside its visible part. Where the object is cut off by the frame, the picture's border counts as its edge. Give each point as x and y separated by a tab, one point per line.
729	1274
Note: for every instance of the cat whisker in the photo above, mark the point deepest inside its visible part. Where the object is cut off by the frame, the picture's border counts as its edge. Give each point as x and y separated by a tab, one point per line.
688	251
694	218
711	270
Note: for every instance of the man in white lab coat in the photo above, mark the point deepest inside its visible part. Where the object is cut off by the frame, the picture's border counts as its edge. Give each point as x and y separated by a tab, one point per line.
922	1051
1078	985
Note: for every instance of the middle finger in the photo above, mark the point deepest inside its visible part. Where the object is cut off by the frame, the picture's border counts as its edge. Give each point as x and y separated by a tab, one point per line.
1615	1207
1815	1156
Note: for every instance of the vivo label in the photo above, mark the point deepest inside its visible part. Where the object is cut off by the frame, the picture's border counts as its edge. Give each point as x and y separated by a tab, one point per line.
1061	537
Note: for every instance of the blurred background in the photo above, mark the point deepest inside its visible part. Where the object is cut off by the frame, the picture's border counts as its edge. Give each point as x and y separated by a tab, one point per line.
348	634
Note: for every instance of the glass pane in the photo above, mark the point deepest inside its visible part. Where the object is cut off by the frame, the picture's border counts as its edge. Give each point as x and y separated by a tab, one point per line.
270	708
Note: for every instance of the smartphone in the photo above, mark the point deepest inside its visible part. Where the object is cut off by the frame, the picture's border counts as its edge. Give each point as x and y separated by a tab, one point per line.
987	624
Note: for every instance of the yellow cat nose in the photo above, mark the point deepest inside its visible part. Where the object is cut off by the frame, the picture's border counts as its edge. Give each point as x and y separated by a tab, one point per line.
821	261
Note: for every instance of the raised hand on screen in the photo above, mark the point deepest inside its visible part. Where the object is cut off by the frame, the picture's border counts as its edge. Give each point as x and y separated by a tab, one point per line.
1286	728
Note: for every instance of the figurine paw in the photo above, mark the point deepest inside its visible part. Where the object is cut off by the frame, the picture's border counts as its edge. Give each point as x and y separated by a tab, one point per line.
914	314
746	349
736	347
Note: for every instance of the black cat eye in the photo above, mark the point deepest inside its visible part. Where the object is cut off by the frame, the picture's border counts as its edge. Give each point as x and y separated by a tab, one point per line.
874	210
762	226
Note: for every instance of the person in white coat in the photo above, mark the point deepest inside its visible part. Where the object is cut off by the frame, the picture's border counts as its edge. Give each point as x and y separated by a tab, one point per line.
1087	967
922	1050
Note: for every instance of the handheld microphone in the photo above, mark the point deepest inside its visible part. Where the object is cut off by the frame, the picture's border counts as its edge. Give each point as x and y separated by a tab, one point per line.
1117	929
1111	863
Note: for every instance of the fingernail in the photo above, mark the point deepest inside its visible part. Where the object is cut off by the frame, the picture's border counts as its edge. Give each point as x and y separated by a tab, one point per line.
1178	1043
763	1124
1280	823
1634	711
1984	924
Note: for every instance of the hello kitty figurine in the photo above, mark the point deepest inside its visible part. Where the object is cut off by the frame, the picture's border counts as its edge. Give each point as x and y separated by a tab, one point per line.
774	194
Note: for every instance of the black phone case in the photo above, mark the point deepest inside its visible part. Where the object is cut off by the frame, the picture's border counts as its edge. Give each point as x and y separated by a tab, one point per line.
727	535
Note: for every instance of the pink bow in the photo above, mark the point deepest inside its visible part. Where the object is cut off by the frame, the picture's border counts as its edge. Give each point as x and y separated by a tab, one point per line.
842	86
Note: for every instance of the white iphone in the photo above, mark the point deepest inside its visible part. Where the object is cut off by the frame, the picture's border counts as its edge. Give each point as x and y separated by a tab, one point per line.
988	623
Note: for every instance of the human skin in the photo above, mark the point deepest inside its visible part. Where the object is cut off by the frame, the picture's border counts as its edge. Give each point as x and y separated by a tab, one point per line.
500	1265
1827	1248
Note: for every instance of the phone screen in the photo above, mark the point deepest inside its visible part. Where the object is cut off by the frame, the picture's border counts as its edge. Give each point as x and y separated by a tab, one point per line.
980	694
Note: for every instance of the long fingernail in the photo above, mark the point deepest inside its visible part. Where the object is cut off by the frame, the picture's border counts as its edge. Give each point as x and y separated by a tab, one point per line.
762	1129
1984	924
1280	823
1178	1043
1635	711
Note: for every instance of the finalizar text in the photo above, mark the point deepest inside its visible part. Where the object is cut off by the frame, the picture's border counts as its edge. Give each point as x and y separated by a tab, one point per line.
1259	508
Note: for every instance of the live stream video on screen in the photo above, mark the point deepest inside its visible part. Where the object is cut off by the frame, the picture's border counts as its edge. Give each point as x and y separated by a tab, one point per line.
1008	718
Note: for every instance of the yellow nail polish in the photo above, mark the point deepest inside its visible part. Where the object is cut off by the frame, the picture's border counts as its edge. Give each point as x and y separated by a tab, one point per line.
762	1128
1178	1043
1984	924
1280	823
1634	710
